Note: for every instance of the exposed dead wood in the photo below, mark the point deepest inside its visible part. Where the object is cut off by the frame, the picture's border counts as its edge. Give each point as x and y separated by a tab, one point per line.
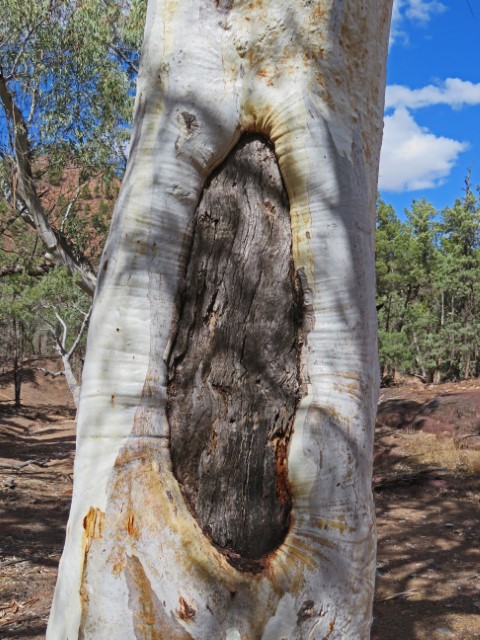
234	384
393	596
409	477
48	372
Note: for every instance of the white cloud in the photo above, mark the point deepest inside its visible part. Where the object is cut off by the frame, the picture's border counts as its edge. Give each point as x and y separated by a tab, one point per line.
423	10
454	92
412	157
395	30
418	12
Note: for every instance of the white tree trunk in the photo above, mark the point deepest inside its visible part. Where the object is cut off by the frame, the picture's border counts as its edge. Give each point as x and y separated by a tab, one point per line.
70	377
309	76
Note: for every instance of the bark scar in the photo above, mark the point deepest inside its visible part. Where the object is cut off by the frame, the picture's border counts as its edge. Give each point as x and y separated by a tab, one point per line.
233	367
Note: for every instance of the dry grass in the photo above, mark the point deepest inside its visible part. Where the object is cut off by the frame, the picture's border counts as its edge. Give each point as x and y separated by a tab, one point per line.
427	449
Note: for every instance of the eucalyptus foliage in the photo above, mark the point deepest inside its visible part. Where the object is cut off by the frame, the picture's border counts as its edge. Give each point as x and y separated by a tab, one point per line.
69	67
67	74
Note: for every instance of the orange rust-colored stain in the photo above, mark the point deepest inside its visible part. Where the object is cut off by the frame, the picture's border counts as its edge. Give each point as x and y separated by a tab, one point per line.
339	526
266	73
350	388
319	13
333	413
130	526
93	524
118	567
331	629
186	611
281	473
263	73
151	620
144	609
313	55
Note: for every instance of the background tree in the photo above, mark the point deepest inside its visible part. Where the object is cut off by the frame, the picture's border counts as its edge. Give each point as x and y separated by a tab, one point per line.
43	316
427	289
66	73
460	244
393	246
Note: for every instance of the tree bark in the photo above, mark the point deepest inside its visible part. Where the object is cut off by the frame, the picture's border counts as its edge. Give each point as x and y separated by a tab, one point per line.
225	429
70	377
233	376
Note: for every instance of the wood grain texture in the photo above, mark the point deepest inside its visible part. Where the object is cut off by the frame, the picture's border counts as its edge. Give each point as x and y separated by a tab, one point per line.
233	368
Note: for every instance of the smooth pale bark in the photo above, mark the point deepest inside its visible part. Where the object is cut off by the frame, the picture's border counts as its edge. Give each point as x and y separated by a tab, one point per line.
309	77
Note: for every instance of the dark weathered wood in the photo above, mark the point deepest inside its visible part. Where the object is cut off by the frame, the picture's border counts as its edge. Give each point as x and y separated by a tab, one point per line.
233	373
224	5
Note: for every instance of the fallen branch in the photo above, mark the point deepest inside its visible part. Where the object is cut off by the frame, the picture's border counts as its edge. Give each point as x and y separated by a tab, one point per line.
48	372
9	562
34	271
15	607
409	477
393	596
20	465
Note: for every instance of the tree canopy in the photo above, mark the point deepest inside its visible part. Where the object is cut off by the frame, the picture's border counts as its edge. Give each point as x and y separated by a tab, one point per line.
428	287
67	73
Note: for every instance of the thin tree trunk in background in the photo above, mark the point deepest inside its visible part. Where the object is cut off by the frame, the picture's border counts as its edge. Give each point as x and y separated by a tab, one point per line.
70	377
388	314
17	381
17	366
225	428
419	357
60	338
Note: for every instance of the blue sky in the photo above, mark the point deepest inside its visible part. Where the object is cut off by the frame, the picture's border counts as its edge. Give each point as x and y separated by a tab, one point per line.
432	115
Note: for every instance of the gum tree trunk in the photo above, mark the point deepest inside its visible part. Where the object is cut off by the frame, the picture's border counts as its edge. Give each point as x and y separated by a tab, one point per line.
223	468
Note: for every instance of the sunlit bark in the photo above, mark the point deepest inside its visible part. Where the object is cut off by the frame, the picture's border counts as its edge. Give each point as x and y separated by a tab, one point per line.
139	562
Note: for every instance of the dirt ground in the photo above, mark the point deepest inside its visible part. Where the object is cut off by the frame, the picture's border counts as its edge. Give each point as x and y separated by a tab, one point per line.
428	506
37	444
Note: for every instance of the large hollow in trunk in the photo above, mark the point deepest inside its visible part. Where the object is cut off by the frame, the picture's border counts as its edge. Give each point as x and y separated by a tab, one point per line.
233	379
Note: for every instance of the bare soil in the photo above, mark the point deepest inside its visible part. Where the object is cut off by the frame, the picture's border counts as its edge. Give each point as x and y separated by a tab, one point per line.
37	443
427	491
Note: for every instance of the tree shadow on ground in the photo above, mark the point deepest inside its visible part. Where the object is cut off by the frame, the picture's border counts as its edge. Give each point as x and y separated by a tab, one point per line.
428	560
35	626
35	493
